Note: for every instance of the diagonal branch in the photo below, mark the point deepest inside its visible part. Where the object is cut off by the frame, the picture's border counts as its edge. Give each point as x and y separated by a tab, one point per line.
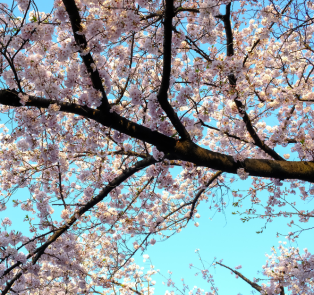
183	150
194	46
80	40
259	40
197	49
104	192
10	284
226	133
209	182
253	285
162	95
127	287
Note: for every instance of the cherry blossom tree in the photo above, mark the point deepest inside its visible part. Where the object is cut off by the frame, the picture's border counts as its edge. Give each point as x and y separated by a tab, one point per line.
123	117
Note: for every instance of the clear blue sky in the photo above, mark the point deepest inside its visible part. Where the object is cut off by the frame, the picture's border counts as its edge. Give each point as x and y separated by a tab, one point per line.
224	237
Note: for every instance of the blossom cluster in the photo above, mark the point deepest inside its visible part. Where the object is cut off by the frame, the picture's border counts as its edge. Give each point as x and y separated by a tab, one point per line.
96	193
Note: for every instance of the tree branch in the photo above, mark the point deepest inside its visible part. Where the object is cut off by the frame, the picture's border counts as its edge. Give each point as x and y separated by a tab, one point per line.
209	182
60	187
226	133
253	285
104	192
162	95
9	284
80	40
233	82
259	40
127	287
129	76
183	150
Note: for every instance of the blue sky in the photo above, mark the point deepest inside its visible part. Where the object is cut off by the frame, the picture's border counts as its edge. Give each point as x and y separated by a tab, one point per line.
224	237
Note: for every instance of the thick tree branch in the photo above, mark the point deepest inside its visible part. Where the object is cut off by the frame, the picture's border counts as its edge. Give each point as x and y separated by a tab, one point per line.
282	290
183	150
80	40
162	95
10	284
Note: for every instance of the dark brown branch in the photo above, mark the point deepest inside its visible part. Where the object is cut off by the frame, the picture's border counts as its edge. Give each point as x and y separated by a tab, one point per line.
129	76
183	150
80	40
282	290
186	9
198	50
252	284
226	133
60	186
233	82
226	20
209	182
9	284
105	191
258	142
162	95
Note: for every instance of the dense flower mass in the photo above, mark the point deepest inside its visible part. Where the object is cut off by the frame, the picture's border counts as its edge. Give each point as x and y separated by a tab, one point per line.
122	117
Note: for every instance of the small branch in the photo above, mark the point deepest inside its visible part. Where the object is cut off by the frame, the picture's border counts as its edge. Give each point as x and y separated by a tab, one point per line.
233	82
259	40
88	60
226	133
209	182
130	67
198	50
134	199
104	192
252	284
60	187
127	287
